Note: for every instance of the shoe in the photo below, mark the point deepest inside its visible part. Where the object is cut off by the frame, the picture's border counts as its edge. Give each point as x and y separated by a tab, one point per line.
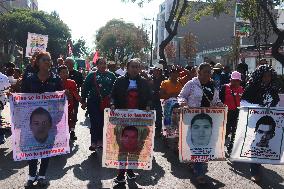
93	148
42	182
120	179
29	184
130	175
73	136
256	178
201	180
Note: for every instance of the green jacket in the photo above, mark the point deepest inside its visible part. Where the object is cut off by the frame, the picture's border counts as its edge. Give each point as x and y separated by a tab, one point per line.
104	81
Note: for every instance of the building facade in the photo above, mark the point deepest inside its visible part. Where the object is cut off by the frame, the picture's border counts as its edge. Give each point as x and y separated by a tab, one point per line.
215	39
8	5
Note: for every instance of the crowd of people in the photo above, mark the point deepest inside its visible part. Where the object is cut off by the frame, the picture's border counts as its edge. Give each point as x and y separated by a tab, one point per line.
134	86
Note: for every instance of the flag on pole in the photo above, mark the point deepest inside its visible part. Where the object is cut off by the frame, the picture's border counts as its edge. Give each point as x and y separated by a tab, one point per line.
87	65
96	57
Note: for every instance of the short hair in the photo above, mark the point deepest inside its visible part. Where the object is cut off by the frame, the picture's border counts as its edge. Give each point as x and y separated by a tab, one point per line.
202	116
39	56
133	60
70	59
203	66
129	128
60	68
266	120
60	59
100	60
18	70
41	111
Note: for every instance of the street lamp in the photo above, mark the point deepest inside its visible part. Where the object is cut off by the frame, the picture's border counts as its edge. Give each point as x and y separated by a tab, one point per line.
179	38
152	38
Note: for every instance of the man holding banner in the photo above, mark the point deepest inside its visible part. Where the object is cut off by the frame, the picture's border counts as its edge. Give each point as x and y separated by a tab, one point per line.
138	96
259	125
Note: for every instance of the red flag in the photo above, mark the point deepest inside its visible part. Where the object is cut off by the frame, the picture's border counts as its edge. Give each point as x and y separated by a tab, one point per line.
96	57
88	67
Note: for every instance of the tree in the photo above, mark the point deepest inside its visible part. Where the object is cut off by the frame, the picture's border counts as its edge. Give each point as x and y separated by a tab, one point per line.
118	40
183	10
79	48
170	51
263	16
189	46
15	25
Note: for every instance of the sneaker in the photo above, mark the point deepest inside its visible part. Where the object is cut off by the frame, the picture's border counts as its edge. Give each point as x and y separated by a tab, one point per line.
131	175
73	136
201	180
256	178
29	184
93	148
120	179
42	182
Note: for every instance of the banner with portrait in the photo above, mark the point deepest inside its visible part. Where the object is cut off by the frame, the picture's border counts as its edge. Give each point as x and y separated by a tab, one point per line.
202	134
259	136
36	43
170	118
128	140
39	125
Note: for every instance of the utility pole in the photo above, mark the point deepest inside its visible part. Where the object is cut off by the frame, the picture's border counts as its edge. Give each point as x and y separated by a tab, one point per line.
151	61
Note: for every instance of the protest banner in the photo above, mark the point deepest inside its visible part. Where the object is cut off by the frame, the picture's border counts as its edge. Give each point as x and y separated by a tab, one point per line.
36	43
39	125
128	140
170	118
202	134
5	116
259	136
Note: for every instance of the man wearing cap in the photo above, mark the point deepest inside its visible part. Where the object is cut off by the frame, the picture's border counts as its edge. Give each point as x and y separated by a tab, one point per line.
230	94
218	68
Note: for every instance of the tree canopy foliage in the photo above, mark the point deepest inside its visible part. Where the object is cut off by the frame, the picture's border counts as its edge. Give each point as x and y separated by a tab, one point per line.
15	25
118	40
80	49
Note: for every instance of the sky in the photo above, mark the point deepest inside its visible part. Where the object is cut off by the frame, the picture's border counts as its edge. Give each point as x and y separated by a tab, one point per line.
85	17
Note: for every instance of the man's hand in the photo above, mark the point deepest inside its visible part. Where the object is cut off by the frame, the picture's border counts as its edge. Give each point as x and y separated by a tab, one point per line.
84	105
112	108
148	109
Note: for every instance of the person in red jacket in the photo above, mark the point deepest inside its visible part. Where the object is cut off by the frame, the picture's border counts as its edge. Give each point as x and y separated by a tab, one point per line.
71	87
230	94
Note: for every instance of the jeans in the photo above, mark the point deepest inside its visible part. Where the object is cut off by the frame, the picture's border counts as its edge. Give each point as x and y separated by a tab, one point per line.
2	135
33	167
96	119
255	169
157	106
231	127
200	169
76	107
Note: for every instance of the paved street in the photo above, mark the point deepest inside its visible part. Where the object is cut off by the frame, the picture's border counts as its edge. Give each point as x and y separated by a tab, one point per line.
82	169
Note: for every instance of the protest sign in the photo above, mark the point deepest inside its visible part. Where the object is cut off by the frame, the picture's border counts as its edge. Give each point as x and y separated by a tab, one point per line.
170	118
36	43
5	116
39	125
128	140
202	134
259	136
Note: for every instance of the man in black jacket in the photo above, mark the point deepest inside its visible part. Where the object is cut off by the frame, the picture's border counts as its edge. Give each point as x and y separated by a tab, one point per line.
131	92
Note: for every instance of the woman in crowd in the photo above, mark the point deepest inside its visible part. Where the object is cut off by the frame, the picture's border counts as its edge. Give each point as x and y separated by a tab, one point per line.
97	89
230	95
131	92
39	82
261	91
171	88
200	92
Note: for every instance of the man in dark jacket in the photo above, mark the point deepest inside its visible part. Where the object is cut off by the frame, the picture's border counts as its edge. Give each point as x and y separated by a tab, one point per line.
131	92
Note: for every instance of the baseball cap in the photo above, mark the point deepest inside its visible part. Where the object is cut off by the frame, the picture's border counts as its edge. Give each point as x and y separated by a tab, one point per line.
236	76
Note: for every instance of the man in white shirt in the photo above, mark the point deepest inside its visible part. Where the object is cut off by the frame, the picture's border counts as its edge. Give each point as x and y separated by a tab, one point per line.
4	86
121	71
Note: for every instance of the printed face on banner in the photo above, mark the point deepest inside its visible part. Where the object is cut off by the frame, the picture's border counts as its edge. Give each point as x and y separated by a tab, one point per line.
171	118
202	134
128	140
39	125
263	135
200	130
